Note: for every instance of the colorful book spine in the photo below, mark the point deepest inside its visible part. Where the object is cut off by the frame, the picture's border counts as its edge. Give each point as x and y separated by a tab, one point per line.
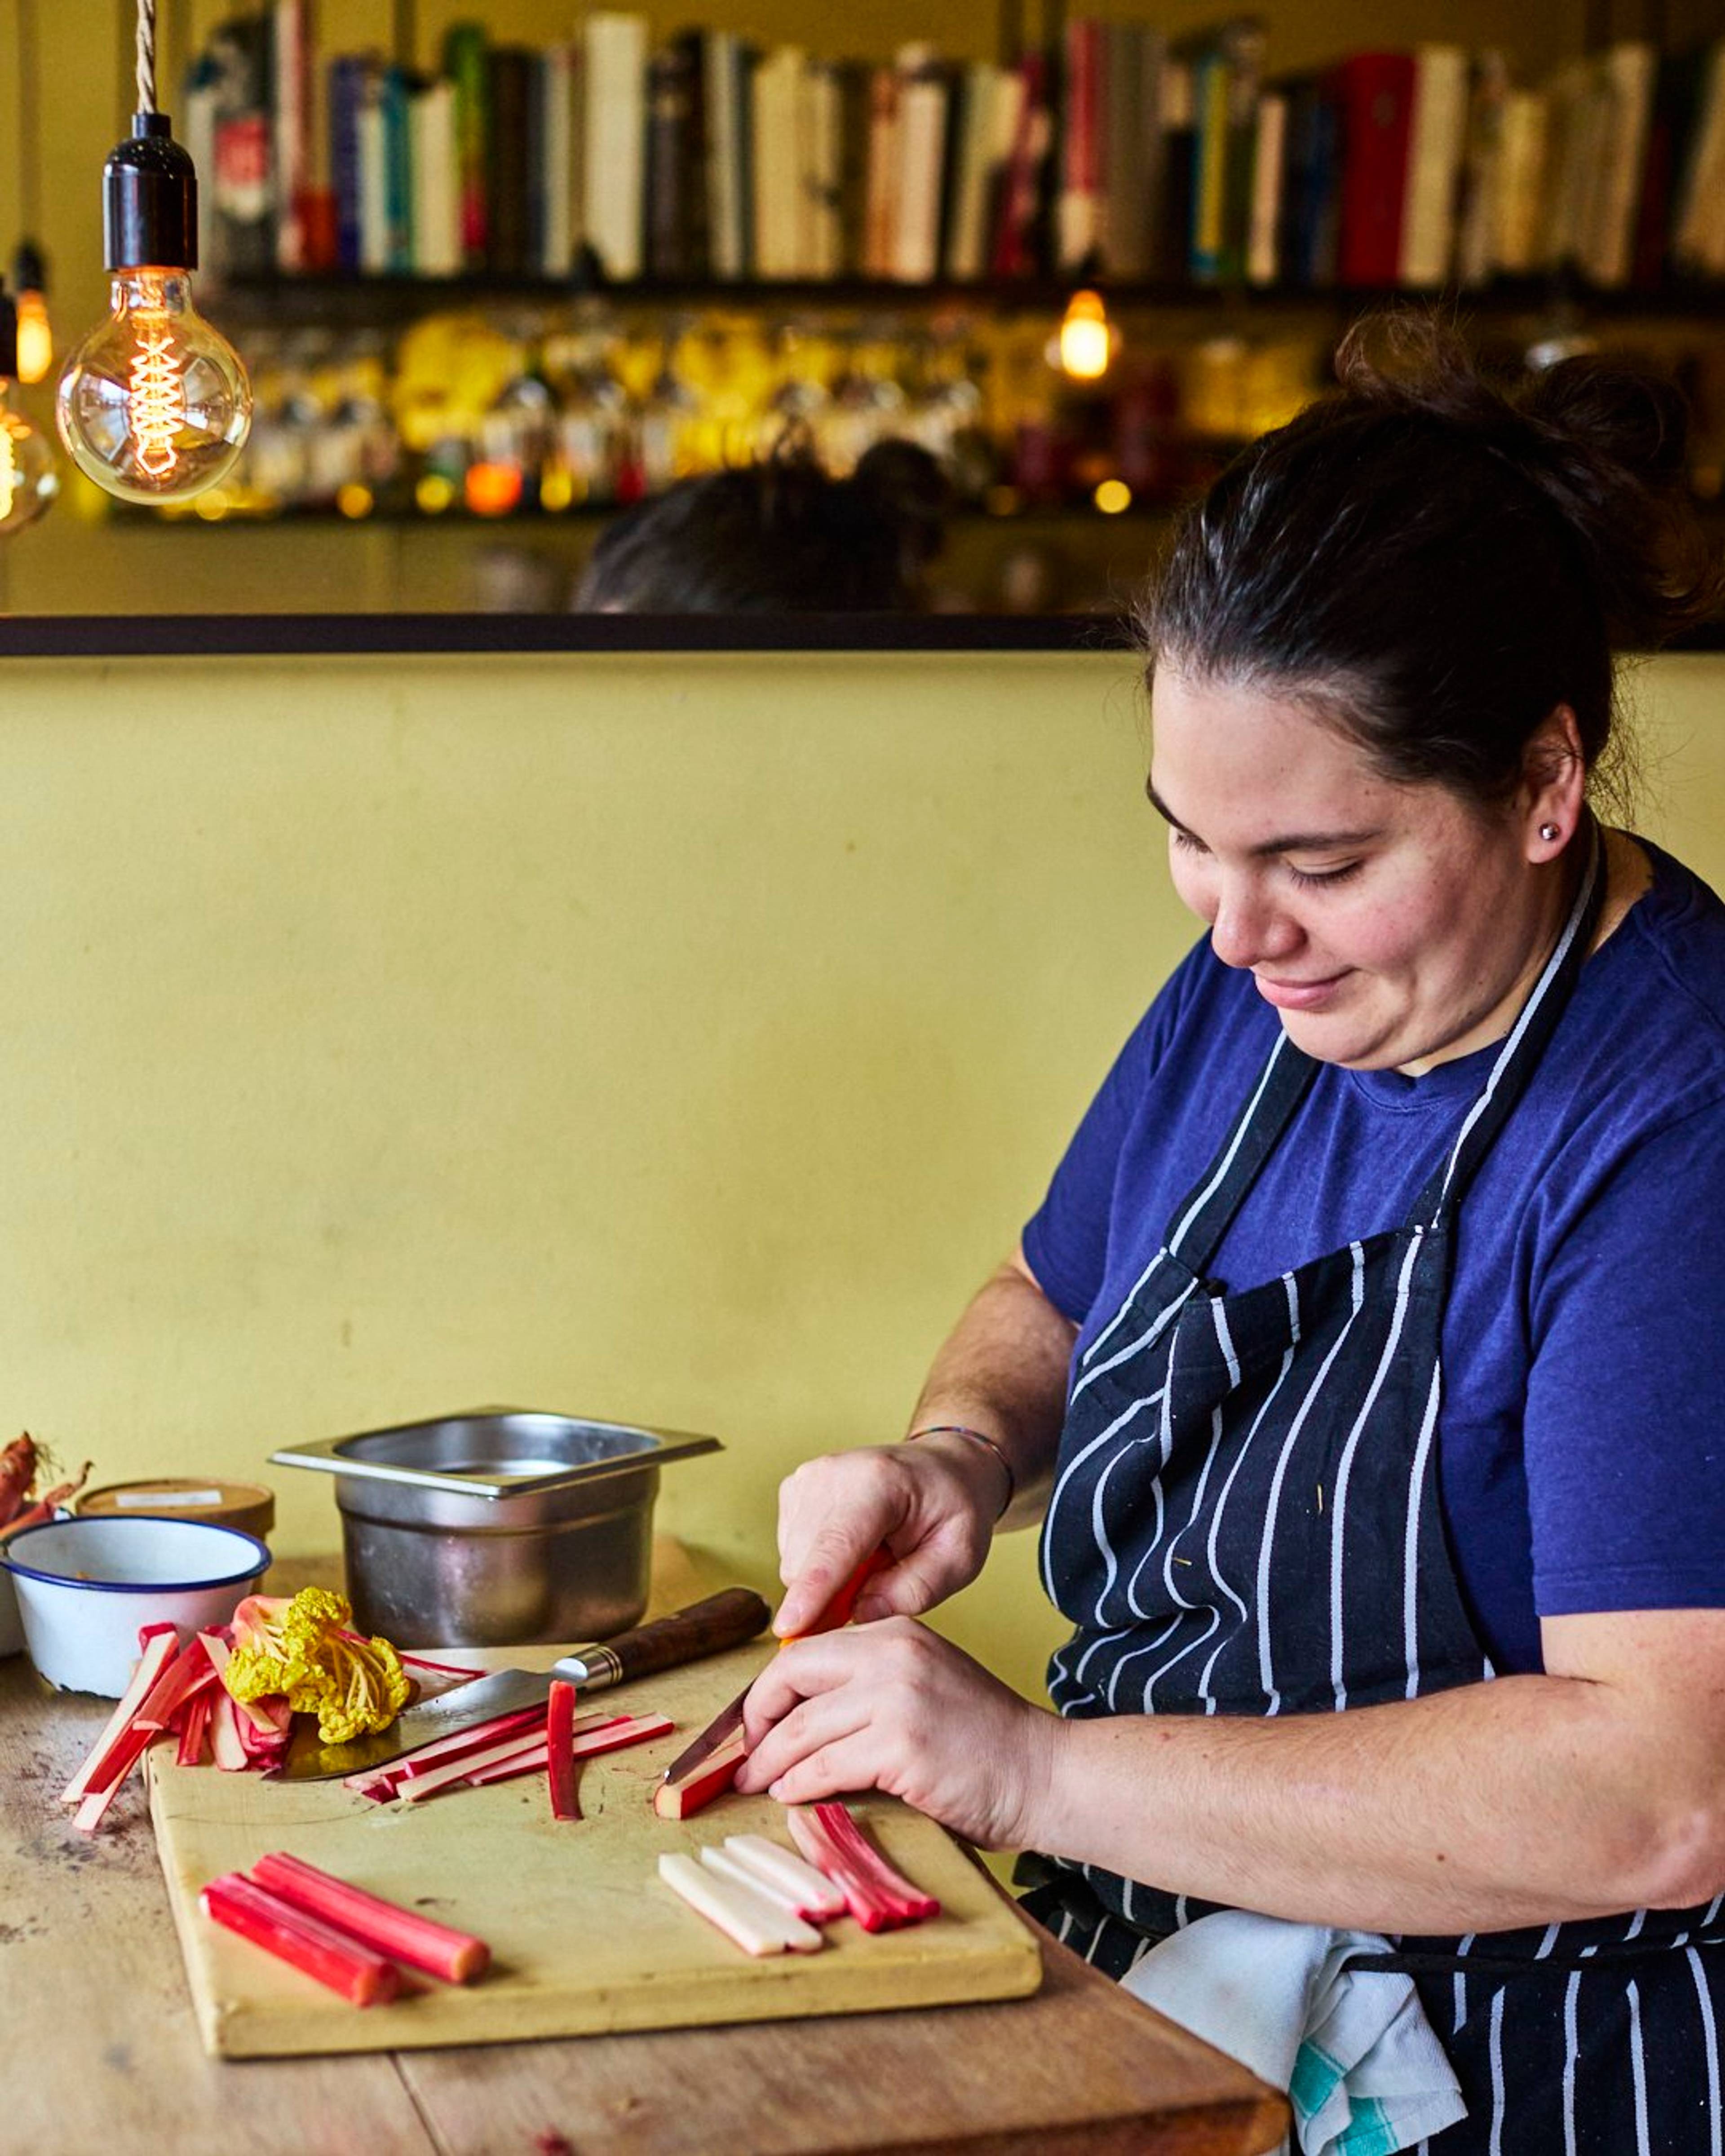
464	64
1375	98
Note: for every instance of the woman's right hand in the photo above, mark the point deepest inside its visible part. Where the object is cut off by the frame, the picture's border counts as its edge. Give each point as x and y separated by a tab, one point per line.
932	1504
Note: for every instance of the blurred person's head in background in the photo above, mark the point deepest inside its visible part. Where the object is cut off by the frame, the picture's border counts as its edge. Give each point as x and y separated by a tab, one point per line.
780	536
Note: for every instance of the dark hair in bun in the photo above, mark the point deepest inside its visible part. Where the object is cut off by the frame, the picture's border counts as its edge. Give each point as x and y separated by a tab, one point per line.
1437	562
780	536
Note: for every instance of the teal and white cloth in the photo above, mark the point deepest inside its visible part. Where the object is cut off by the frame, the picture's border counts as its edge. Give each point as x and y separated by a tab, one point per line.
1362	2067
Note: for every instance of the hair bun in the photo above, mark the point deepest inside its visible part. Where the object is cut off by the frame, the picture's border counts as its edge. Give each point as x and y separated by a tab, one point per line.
1623	415
1603	440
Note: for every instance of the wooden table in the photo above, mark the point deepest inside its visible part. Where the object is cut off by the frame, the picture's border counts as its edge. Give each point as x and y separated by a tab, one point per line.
103	2057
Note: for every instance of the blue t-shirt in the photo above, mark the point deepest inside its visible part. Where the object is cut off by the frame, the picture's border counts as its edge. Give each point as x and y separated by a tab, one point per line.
1582	1429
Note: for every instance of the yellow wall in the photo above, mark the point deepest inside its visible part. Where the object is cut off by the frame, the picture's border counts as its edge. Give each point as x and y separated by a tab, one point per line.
675	1038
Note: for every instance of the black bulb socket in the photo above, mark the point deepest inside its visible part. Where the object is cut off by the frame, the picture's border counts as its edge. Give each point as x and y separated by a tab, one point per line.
149	199
29	268
8	337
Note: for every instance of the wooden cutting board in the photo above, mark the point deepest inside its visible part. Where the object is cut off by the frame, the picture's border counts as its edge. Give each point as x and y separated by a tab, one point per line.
584	1937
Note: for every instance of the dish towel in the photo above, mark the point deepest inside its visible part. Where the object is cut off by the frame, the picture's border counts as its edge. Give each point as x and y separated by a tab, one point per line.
1361	2064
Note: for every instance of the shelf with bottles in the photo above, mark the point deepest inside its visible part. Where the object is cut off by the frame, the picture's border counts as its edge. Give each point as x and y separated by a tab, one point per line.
525	407
558	411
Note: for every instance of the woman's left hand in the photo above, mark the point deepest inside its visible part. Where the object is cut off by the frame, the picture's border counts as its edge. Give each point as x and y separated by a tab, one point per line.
891	1705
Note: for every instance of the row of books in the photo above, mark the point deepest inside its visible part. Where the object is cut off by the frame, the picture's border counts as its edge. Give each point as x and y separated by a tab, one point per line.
1118	153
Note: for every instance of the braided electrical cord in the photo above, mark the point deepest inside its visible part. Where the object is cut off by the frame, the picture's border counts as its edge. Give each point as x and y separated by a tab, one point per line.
146	56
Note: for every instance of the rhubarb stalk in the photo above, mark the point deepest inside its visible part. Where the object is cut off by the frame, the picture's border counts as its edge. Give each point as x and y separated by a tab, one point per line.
363	1978
810	1892
559	1751
455	1956
879	1897
757	1923
99	1767
708	1778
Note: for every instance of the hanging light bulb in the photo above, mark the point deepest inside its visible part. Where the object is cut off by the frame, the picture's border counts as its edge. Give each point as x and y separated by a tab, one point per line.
154	405
28	481
1086	338
35	333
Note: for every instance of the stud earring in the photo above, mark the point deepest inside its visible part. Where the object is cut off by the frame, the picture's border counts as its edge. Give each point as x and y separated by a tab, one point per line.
1550	831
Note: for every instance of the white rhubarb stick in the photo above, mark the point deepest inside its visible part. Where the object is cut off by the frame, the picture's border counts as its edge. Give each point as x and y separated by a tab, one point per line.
745	1915
225	1740
811	1893
725	1866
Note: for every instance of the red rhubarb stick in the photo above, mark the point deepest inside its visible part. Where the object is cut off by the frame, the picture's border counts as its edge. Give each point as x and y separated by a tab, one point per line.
192	1726
559	1757
190	1671
363	1978
455	1956
711	1778
879	1897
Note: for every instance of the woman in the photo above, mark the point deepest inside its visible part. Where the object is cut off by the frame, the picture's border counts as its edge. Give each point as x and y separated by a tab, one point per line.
1360	1361
780	537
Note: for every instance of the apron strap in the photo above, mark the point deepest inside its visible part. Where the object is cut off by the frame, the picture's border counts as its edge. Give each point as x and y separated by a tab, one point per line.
1202	1217
1523	1045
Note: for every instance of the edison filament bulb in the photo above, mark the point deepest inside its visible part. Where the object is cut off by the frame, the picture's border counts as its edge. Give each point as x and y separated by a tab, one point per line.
155	404
35	332
28	481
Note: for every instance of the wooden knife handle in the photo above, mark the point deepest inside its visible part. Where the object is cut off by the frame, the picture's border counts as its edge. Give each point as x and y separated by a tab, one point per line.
723	1620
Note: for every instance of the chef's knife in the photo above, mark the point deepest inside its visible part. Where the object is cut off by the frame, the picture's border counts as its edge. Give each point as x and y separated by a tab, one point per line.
723	1620
728	1720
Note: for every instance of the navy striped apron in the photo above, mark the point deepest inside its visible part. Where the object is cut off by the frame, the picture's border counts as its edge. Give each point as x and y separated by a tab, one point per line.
1245	1520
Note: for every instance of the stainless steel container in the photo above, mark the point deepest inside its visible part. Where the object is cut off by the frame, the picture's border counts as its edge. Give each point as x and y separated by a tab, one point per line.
495	1528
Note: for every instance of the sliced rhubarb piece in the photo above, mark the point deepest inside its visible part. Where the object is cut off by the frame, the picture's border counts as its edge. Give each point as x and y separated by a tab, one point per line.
531	1762
810	1892
194	1725
700	1784
879	1897
455	1956
363	1978
610	1736
96	1799
412	1788
757	1924
725	1866
97	1768
527	1723
190	1671
559	1757
226	1742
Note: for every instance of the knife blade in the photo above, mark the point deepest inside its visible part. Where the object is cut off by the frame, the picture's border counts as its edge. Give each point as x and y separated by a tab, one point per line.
728	1720
722	1620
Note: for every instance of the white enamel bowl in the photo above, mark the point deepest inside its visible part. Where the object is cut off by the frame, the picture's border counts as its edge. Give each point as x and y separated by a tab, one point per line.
86	1586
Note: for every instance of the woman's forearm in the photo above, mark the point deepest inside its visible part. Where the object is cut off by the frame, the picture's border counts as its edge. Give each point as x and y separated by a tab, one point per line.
1525	1801
1003	1371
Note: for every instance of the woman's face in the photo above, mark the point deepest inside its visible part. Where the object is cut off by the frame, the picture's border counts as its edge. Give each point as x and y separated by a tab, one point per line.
1393	925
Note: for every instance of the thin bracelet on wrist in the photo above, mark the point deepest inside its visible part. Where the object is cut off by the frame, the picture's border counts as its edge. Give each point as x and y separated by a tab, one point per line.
978	1437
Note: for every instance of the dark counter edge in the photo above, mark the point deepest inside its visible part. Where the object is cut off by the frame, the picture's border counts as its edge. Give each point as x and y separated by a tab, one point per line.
178	636
227	636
